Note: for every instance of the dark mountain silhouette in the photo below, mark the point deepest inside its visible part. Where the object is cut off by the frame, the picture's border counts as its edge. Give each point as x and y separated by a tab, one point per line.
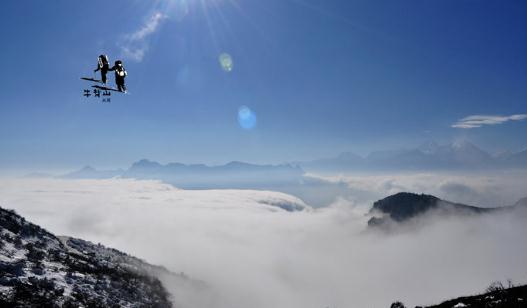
404	206
185	175
286	178
496	296
145	166
232	175
39	269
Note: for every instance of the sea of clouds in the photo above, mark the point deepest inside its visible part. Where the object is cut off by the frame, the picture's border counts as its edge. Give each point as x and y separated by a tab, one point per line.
484	189
252	253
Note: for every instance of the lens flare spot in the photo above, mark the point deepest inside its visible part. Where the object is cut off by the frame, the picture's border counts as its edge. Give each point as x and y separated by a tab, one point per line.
246	118
226	62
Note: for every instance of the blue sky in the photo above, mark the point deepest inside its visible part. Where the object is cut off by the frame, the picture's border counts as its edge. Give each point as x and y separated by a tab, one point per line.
320	76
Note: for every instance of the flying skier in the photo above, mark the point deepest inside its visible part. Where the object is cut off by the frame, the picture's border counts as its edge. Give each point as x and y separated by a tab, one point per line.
103	66
120	74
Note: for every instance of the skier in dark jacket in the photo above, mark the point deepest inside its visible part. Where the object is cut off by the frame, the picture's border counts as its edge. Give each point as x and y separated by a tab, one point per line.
120	74
104	66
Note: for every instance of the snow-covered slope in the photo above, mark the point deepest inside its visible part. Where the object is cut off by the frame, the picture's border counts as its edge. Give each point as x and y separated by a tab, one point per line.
497	296
39	269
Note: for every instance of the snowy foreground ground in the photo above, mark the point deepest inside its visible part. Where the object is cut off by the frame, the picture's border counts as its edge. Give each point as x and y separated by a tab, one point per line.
38	269
268	249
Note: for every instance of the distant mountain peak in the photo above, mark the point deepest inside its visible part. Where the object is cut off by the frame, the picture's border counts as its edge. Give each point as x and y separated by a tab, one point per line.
404	205
503	154
145	163
429	147
87	168
88	172
236	163
462	144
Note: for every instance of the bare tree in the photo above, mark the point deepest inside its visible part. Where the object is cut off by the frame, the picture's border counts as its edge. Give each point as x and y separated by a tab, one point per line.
397	305
495	286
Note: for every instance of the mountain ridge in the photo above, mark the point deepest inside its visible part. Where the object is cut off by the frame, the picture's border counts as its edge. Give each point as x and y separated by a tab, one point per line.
430	155
404	206
460	154
40	269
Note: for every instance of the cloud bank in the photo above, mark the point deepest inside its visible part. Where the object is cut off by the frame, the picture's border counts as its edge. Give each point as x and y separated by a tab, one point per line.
485	189
252	254
135	45
474	121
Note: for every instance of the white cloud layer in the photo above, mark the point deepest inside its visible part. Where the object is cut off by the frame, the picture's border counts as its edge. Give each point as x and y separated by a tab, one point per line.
486	189
256	255
474	121
135	45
